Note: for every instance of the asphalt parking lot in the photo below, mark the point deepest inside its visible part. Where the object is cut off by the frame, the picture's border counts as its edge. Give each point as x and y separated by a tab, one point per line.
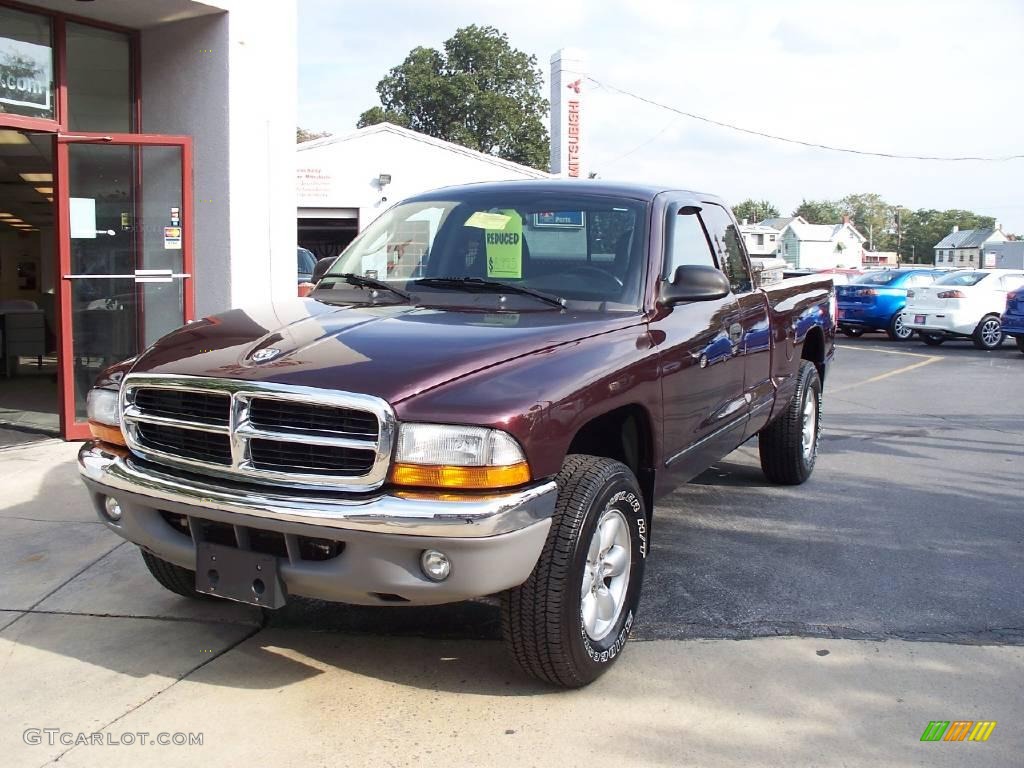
825	624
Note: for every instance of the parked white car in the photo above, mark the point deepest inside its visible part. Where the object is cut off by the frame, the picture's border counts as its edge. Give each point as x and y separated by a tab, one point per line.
966	303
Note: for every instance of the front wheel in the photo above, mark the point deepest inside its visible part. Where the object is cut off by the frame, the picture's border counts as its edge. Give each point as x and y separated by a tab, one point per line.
898	331
180	581
789	445
989	333
569	621
933	339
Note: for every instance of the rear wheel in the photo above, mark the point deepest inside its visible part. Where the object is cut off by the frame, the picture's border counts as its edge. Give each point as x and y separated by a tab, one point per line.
1020	342
897	330
568	622
989	333
933	339
853	333
180	581
789	445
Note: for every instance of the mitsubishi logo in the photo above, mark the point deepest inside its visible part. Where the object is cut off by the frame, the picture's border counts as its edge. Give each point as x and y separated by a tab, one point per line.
574	86
265	354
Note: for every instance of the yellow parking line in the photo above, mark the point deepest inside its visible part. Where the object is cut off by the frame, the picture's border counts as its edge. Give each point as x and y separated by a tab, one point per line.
886	351
928	360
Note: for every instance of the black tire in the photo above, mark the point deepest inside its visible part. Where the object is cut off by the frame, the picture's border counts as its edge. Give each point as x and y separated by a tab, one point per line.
932	339
853	333
897	330
1020	342
781	443
983	336
543	619
180	581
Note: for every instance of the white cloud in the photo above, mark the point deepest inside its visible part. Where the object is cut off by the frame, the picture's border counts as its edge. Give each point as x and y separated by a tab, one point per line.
913	77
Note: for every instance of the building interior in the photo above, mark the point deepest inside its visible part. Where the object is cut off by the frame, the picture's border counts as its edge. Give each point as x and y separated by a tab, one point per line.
28	322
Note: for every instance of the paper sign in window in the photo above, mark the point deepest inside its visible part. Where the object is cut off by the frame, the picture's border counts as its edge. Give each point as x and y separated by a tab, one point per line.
505	248
83	217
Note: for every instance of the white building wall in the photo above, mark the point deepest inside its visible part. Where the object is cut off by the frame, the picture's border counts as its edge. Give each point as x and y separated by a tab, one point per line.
229	80
348	172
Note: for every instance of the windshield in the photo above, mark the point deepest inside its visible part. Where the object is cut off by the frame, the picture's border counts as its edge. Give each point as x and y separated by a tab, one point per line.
585	249
307	261
962	278
883	277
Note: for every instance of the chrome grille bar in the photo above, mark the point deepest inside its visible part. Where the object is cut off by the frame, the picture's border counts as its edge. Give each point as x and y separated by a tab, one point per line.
240	431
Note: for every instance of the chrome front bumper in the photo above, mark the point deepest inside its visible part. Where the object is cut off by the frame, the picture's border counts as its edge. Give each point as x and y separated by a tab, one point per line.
493	540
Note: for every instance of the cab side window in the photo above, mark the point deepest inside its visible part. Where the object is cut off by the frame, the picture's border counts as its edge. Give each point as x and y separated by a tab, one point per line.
687	243
728	246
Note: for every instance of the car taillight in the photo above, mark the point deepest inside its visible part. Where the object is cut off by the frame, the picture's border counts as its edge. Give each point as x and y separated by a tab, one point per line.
867	292
951	295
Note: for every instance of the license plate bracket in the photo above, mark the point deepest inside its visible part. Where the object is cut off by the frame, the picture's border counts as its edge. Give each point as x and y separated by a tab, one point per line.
239	575
919	319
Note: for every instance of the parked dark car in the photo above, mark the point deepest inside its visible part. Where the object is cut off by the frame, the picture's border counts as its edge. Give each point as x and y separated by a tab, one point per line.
486	394
1013	317
307	263
875	300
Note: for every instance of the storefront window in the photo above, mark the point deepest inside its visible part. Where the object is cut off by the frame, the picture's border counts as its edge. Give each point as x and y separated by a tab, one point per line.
26	65
99	79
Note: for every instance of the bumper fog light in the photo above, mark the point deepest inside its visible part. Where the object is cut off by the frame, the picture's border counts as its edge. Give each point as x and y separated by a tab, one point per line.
112	508
435	565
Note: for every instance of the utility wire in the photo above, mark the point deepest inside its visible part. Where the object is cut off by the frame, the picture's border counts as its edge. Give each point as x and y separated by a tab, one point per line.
801	142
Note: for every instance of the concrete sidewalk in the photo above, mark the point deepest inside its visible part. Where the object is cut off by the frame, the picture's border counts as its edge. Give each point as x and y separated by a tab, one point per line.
90	643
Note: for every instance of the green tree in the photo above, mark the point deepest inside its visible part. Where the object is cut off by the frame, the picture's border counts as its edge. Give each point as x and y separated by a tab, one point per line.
873	217
754	210
820	211
922	229
479	92
304	134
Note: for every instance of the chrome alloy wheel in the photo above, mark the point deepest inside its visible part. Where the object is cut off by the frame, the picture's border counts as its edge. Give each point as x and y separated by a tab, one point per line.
900	329
991	332
606	577
810	425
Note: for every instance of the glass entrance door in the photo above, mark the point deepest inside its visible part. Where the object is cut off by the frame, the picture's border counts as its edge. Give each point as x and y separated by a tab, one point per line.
124	206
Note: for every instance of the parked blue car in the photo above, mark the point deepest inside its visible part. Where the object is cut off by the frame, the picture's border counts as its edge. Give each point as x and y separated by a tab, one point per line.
1013	317
874	301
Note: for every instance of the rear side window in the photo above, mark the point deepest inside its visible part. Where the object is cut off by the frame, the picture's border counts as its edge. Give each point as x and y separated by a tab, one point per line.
727	245
917	281
687	243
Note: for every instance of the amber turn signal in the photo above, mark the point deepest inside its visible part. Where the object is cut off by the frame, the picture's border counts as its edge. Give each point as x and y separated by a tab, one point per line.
469	478
106	433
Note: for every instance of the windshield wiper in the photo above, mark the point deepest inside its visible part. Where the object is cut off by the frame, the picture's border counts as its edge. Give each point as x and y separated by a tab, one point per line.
490	286
371	282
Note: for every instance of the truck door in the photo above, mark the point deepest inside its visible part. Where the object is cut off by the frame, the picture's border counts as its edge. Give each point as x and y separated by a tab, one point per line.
754	346
701	373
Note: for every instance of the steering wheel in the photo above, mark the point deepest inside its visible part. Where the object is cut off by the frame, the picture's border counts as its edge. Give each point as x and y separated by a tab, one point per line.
609	281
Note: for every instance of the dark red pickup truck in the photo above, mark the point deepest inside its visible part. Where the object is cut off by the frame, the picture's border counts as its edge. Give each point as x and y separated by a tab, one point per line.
487	393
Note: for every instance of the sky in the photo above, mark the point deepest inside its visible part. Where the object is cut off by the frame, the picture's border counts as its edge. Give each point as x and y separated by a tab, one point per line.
907	77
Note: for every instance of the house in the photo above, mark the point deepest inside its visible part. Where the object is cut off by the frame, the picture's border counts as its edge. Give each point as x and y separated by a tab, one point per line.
1003	255
821	246
962	248
761	240
876	259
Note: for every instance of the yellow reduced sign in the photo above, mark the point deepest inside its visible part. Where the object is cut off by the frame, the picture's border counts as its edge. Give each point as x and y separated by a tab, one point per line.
505	247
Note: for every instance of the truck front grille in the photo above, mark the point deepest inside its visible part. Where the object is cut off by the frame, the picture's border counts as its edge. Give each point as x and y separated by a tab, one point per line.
267	433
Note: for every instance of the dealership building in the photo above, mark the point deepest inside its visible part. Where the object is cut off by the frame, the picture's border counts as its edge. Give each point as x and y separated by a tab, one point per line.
147	177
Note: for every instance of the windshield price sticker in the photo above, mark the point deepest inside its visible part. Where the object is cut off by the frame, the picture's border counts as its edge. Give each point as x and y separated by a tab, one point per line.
505	247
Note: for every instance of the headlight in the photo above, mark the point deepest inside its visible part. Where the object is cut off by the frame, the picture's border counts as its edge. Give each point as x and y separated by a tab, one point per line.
444	456
104	415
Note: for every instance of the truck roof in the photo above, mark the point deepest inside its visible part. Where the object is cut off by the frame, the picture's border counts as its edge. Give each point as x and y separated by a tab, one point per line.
637	191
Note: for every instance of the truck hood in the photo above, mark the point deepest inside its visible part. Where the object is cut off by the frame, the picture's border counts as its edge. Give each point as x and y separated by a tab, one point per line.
392	351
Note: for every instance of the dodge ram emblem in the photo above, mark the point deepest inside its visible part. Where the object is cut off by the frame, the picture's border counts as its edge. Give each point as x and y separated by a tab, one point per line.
265	354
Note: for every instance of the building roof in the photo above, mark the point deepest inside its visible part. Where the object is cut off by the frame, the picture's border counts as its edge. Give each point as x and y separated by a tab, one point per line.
405	133
757	229
966	238
822	233
780	222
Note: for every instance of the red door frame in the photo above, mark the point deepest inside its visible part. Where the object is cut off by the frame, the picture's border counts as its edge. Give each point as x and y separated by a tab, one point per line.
70	428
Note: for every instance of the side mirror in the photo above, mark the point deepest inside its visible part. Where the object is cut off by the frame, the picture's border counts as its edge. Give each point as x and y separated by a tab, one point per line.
321	268
693	282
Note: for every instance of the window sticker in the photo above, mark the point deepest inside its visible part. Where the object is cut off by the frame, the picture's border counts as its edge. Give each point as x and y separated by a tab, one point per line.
505	247
485	220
